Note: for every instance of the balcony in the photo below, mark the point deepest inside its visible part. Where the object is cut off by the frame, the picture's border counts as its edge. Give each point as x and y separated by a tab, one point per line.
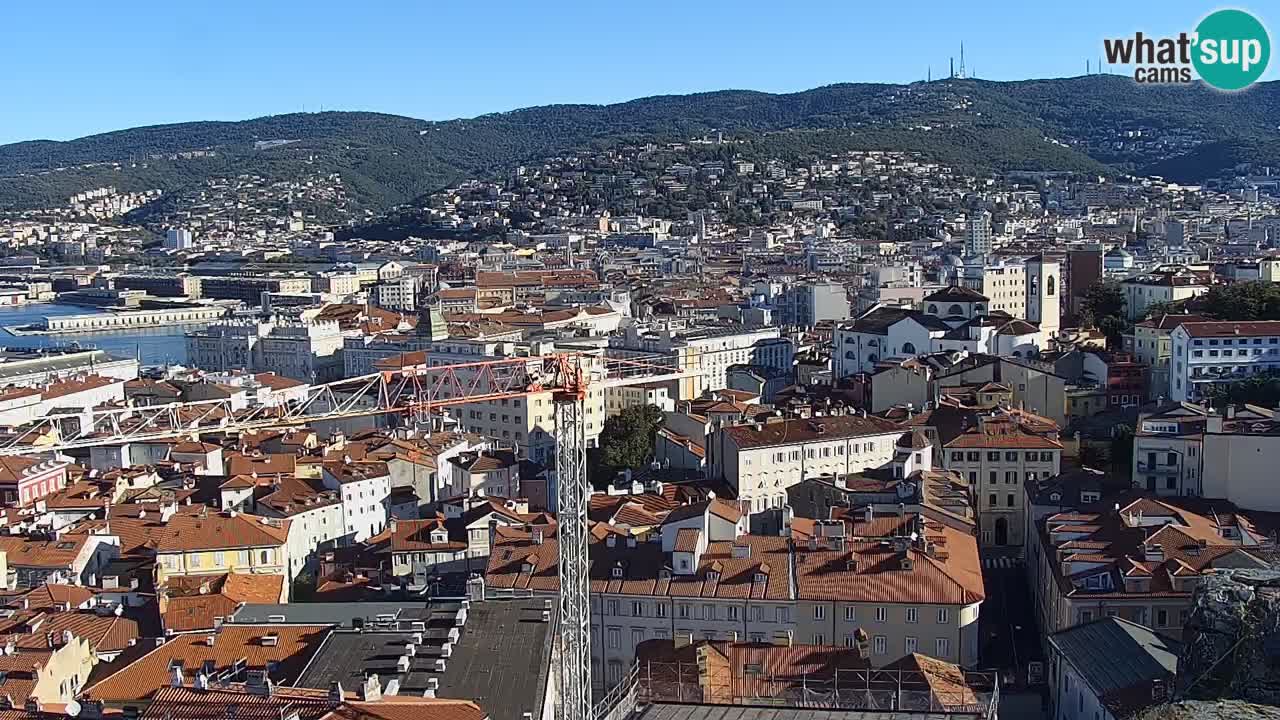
1159	468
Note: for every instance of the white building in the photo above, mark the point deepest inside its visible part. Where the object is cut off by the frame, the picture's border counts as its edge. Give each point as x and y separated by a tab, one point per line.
709	352
305	351
364	488
762	460
954	318
178	239
1208	353
977	234
1165	285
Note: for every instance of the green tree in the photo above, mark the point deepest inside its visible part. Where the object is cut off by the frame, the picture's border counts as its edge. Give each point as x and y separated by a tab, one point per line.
1093	456
1103	308
1262	389
1243	301
626	441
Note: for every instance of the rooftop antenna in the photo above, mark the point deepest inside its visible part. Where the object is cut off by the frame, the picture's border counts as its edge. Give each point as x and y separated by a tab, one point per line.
953	67
929	75
1087	70
962	59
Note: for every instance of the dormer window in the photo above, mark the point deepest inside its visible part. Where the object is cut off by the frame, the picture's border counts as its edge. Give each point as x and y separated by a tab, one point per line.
1090	497
617	573
761	578
713	576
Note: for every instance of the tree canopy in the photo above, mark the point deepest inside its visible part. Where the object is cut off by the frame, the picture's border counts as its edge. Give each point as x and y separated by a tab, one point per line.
1103	308
626	441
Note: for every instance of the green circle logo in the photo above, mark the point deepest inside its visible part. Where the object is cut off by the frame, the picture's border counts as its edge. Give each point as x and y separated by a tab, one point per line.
1231	49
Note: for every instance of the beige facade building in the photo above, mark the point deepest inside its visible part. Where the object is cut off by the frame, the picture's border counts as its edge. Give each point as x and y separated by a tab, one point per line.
701	578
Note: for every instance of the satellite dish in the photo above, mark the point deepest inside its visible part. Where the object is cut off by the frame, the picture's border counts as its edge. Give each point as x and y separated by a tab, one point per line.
73	708
915	537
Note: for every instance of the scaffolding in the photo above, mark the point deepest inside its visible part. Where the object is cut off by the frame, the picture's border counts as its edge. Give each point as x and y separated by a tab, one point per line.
975	694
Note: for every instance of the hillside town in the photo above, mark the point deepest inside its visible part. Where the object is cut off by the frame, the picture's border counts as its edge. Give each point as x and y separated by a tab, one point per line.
863	434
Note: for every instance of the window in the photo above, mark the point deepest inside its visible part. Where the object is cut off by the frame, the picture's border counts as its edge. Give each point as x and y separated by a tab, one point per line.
848	640
991	500
708	612
784	614
660	610
819	639
637	609
973	456
881	614
615	637
1086	616
266	555
1011	456
957	456
1162	618
913	615
684	612
944	616
910	645
849	613
1011	477
819	612
881	645
993	456
733	612
1009	500
944	648
612	607
637	636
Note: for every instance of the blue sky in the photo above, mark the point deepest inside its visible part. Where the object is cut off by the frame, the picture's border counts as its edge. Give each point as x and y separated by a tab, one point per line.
77	67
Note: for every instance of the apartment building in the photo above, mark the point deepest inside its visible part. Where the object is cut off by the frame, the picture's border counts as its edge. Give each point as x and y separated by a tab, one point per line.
213	543
1153	347
621	397
1004	282
708	352
998	454
314	512
1209	353
760	460
73	559
1240	449
249	289
805	304
364	487
1168	450
701	578
1140	561
1165	285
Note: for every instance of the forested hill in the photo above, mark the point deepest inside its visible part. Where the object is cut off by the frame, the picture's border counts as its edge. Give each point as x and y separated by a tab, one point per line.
1188	133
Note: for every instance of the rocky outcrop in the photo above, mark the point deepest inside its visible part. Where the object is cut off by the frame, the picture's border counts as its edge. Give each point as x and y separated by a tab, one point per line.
1231	644
1210	710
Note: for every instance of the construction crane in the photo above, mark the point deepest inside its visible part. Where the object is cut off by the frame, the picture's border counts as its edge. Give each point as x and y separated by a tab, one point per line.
416	393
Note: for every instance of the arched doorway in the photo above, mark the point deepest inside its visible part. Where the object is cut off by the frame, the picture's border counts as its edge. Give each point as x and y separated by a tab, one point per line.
1002	531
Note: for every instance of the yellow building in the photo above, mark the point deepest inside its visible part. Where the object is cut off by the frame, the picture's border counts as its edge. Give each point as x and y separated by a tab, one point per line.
212	543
